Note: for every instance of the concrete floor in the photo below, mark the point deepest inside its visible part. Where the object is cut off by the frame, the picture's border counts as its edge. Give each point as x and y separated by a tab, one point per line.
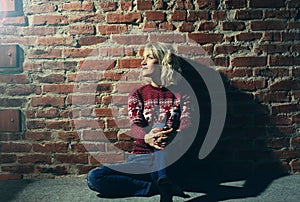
284	189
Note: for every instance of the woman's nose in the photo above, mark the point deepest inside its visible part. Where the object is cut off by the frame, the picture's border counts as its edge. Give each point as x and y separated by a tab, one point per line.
143	62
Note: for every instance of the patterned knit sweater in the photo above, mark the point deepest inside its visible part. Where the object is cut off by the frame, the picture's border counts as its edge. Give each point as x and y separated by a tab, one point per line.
148	106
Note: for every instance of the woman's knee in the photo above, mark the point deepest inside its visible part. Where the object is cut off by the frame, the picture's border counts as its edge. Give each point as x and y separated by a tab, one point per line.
94	178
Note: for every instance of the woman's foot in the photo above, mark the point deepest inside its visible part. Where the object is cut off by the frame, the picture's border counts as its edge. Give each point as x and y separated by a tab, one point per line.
167	190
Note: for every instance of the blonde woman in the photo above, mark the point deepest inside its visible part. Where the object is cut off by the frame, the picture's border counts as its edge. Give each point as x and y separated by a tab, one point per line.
157	111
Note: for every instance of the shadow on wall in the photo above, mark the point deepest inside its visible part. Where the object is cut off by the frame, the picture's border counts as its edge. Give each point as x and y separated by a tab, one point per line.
242	153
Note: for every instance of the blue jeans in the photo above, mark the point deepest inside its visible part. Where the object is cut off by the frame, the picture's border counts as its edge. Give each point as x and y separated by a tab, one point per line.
110	181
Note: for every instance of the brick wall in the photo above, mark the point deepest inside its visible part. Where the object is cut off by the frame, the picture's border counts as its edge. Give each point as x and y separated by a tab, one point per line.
81	59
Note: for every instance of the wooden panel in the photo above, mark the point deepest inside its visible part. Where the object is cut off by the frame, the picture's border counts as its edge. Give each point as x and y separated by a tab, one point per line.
8	56
7	5
10	120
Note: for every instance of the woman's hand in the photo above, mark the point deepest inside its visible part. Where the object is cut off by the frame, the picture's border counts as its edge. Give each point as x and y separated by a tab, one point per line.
157	138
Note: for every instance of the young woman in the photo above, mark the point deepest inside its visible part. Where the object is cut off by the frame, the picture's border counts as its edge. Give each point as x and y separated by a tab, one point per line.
157	111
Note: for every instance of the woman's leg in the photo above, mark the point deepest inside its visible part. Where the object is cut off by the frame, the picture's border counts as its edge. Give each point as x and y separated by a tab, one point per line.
114	183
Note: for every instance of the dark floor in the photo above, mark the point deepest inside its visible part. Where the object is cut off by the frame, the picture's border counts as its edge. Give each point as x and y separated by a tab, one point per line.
285	189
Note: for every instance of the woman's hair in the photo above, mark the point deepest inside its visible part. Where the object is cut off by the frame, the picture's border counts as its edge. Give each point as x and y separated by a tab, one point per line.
170	73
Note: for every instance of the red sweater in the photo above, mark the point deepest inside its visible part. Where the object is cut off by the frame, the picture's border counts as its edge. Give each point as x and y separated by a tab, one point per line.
148	106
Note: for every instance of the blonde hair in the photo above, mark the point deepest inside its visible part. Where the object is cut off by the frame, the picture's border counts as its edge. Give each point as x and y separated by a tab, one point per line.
168	61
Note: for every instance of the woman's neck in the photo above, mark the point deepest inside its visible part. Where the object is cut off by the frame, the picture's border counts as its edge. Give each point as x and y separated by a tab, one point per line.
154	84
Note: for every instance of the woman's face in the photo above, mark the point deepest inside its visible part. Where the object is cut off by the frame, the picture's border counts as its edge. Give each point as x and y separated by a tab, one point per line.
150	67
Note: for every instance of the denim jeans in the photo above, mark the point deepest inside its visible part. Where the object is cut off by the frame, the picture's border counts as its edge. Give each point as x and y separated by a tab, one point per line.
110	181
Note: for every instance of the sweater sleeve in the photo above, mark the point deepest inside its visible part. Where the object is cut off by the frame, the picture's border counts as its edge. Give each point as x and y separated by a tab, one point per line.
185	119
138	123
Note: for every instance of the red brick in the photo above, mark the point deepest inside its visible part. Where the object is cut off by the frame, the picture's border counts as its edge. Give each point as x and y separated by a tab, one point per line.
279	14
78	6
248	84
211	4
129	63
8	158
228	49
207	26
15	147
21	169
124	146
14	78
14	21
285	108
233	26
149	26
114	76
123	18
205	38
69	135
219	15
271	72
96	64
35	158
91	40
71	158
59	65
248	14
80	52
51	78
267	25
186	27
105	112
82	29
166	26
155	15
184	4
112	29
240	72
286	36
250	61
35	124
126	5
198	15
268	97
179	15
283	61
144	4
46	41
10	176
273	48
55	170
24	89
106	157
95	135
44	54
232	4
108	6
90	18
37	136
59	88
63	125
82	99
50	147
167	38
31	67
12	102
40	8
130	39
40	31
295	165
87	123
285	85
50	20
104	87
248	36
267	3
29	41
48	101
